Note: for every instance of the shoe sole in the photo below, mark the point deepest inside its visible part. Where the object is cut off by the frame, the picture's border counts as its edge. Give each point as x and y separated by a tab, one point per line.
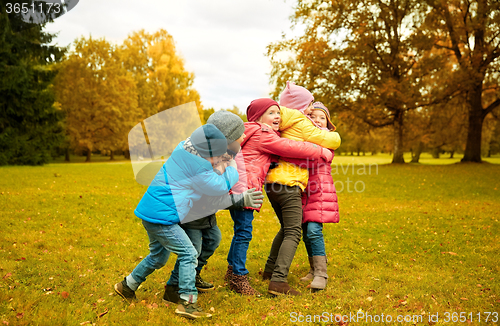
205	290
189	316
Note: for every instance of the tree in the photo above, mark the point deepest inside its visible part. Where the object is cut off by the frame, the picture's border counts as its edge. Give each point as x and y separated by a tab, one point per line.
374	58
470	31
29	122
161	79
368	57
98	96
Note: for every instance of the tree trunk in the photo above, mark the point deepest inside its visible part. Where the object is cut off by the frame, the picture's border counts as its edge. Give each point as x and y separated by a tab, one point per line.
476	118
66	154
89	153
435	152
111	155
415	157
398	138
452	153
127	154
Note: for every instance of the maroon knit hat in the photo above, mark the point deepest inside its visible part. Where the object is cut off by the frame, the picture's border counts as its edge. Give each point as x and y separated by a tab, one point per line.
296	97
257	108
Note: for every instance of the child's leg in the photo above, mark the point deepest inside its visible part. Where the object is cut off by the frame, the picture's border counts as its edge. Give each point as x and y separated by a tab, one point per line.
196	239
315	240
237	255
156	259
211	240
307	242
174	239
290	201
278	238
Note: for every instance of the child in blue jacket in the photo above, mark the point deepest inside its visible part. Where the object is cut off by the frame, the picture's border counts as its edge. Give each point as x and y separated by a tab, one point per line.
184	178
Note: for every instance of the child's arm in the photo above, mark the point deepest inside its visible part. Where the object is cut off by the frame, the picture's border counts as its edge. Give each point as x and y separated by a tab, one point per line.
210	183
309	132
306	163
271	143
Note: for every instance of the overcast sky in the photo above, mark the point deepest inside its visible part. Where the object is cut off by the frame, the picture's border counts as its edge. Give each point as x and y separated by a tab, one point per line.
222	41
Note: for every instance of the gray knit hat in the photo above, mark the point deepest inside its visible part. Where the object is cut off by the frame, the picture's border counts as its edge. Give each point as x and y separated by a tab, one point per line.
228	123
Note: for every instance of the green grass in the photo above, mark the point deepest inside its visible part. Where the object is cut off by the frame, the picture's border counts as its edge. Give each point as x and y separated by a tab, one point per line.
412	239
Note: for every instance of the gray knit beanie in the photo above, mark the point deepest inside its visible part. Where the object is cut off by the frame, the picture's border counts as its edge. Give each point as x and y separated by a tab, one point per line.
228	123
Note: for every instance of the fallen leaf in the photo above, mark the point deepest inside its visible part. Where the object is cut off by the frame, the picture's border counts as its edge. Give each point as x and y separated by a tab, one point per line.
20	315
65	295
7	275
102	313
464	299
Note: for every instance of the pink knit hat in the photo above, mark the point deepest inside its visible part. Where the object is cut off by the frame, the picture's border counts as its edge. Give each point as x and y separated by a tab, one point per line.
296	97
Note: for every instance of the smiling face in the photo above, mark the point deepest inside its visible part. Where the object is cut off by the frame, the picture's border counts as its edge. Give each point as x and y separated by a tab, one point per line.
271	117
319	117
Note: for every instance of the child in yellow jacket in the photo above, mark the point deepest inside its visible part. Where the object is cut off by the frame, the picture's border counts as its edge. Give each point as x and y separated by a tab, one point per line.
285	183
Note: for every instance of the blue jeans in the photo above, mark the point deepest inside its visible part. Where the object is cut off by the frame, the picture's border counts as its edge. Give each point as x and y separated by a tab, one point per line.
237	255
312	234
205	242
164	239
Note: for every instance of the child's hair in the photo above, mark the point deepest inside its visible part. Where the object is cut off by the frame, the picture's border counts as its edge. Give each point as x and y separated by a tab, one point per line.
257	108
209	141
296	97
320	106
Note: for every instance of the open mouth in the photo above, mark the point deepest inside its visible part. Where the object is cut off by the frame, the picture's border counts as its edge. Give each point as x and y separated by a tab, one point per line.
276	123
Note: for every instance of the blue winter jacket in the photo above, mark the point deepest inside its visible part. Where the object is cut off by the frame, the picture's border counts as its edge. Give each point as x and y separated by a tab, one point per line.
182	180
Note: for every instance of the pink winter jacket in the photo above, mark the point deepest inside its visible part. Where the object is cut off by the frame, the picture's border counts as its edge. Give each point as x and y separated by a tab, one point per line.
319	199
257	150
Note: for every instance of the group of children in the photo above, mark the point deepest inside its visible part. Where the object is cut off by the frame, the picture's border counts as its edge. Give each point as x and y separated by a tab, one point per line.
286	147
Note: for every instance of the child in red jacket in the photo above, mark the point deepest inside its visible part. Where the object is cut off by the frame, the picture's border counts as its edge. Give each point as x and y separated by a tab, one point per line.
261	142
319	205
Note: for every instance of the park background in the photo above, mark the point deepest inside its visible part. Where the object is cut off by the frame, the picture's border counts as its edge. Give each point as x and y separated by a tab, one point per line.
405	81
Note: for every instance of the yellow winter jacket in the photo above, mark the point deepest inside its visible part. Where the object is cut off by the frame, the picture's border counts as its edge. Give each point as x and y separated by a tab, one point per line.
296	126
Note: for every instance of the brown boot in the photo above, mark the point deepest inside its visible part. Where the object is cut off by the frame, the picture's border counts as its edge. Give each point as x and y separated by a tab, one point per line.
320	275
310	275
267	276
240	284
229	273
279	288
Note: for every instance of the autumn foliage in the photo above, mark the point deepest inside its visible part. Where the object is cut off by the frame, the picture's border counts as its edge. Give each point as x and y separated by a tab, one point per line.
106	89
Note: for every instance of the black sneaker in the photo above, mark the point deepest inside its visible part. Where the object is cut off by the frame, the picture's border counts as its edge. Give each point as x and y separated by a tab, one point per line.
124	291
191	310
171	293
201	285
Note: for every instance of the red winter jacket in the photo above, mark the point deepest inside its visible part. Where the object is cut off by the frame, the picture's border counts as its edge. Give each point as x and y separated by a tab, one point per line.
257	150
319	199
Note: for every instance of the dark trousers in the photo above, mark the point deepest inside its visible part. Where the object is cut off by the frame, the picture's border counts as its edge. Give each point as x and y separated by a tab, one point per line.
287	205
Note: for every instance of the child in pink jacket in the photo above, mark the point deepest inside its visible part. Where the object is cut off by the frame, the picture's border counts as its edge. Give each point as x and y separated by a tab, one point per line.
319	205
262	141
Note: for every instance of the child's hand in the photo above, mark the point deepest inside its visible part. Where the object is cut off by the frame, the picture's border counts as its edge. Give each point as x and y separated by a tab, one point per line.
326	154
221	167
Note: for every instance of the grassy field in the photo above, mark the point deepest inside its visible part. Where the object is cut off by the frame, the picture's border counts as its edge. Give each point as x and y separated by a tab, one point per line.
413	241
